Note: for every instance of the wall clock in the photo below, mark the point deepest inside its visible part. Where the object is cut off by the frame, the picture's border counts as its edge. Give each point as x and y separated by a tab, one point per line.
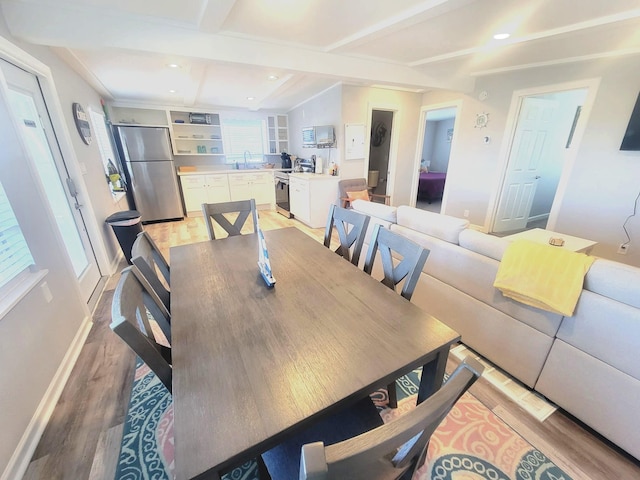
82	123
481	120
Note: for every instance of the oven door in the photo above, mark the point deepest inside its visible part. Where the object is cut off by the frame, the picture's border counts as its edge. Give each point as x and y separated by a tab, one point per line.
282	196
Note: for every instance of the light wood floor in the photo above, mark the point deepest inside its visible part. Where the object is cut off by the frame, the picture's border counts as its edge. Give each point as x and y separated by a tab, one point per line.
82	439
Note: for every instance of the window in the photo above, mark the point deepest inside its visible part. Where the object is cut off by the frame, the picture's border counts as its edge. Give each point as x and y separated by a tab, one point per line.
103	140
243	139
15	256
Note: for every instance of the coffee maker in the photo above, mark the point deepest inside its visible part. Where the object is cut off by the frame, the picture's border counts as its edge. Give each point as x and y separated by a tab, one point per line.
286	160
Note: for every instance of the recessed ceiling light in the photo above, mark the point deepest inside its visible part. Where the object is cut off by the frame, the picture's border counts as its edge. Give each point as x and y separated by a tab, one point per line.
173	65
501	36
251	98
172	91
273	77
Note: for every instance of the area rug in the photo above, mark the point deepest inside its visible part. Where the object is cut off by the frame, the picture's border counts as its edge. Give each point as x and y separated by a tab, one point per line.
471	444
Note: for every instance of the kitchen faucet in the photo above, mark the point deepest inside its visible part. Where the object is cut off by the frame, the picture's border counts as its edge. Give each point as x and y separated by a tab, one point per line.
245	158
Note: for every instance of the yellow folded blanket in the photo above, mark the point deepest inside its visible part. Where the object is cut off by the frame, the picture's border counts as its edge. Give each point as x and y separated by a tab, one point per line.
542	276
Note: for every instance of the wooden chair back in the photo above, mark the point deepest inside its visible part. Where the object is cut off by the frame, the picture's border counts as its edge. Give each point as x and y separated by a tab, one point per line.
148	260
351	227
413	259
358	185
216	212
389	451
130	321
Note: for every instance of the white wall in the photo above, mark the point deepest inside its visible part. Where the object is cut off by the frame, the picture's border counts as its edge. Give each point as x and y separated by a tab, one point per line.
323	109
440	149
602	184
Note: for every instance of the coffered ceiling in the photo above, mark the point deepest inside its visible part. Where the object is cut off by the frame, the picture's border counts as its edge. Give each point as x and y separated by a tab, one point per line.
275	54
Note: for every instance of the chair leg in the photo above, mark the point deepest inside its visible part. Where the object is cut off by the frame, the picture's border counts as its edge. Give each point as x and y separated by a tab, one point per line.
393	395
263	473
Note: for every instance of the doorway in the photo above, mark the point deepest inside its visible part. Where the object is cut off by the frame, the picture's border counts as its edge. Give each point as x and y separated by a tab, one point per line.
28	105
438	128
379	150
543	135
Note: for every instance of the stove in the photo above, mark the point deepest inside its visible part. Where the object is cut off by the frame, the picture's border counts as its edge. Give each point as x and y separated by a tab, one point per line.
281	179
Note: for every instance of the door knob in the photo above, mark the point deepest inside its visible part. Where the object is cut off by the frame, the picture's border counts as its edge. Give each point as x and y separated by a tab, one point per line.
537	177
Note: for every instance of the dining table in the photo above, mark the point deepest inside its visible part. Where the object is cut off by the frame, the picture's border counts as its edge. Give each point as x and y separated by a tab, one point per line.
253	365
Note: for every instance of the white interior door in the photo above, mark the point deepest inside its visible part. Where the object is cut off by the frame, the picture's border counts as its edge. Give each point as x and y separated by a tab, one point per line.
27	104
533	131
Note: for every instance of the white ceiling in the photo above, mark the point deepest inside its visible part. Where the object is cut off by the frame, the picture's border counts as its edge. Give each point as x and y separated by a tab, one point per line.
227	49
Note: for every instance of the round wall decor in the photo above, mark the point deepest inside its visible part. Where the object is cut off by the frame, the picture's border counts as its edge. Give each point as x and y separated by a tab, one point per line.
481	120
82	123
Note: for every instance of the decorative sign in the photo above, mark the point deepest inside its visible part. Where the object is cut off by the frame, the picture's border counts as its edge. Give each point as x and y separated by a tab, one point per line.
82	123
481	120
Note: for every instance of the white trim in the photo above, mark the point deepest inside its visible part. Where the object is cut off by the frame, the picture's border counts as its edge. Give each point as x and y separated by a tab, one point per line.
19	461
422	125
315	96
591	84
20	288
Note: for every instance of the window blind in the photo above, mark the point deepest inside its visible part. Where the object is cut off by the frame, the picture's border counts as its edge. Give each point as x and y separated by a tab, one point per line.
102	138
15	256
242	136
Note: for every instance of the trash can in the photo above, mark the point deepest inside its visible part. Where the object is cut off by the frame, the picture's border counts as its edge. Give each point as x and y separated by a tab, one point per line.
126	225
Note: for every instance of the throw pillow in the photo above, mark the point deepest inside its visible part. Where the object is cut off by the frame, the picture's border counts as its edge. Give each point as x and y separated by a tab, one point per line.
359	195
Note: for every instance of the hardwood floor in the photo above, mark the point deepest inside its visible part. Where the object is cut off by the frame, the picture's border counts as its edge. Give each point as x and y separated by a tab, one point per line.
82	439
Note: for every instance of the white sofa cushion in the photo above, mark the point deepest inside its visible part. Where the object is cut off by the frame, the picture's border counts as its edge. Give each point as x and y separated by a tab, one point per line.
615	280
483	243
444	227
379	210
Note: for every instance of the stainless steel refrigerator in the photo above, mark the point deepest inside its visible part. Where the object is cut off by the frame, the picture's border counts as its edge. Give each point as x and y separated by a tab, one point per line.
150	172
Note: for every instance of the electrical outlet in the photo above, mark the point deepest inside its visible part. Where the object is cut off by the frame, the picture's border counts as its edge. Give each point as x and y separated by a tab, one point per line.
466	214
622	249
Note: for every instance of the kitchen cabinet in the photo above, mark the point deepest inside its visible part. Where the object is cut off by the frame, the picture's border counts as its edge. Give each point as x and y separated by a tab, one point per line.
258	185
189	138
199	189
278	133
310	197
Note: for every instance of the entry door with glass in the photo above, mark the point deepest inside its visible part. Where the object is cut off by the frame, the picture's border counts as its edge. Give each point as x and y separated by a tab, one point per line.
28	105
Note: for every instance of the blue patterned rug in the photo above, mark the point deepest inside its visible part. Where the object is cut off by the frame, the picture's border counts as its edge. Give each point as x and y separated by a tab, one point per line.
472	443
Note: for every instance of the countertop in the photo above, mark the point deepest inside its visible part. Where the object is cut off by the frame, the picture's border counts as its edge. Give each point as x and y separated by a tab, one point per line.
206	171
301	175
313	176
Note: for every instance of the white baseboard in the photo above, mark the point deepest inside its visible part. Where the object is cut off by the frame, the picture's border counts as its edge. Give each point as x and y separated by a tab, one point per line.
534	218
115	263
21	457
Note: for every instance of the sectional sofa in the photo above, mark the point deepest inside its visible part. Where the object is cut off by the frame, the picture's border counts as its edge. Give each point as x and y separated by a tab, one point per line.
587	364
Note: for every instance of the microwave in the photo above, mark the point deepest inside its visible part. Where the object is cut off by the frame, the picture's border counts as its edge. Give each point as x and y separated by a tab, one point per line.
318	137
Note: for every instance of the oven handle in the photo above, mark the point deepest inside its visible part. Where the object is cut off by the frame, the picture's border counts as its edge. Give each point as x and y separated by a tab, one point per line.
281	181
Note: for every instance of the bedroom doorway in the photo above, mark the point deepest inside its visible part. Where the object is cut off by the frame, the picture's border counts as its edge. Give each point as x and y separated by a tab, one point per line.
437	138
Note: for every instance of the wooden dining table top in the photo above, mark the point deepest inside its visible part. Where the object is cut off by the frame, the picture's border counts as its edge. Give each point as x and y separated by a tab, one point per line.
252	364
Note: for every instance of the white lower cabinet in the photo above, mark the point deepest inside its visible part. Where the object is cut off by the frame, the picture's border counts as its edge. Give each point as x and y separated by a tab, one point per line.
259	185
199	189
311	196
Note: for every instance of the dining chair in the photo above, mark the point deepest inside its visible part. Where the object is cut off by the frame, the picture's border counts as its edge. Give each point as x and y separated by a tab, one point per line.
389	451
351	227
408	268
148	260
131	308
215	212
351	189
